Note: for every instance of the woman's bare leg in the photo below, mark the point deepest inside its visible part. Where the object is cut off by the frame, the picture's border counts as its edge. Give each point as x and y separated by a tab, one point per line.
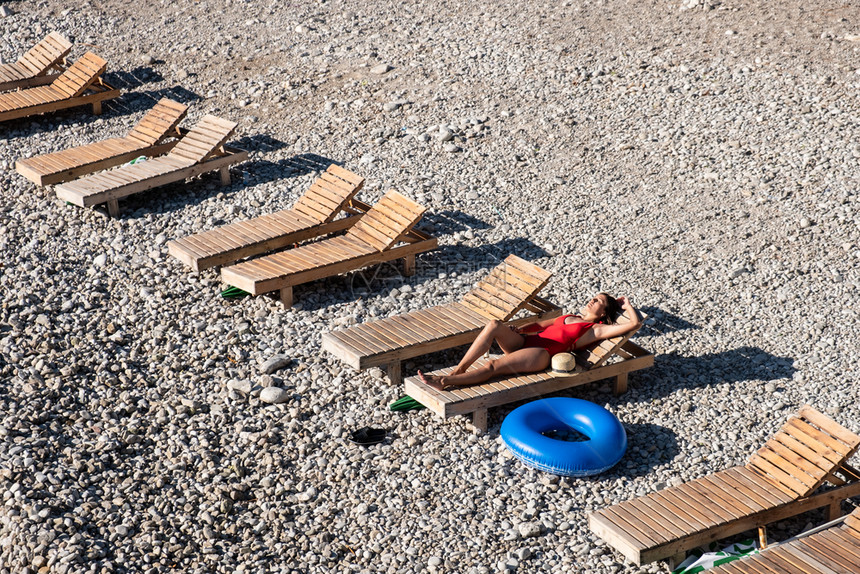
528	360
494	331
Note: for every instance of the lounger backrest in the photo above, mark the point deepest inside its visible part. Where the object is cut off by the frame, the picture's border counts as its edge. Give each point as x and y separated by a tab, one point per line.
387	221
329	194
204	139
80	75
507	288
46	54
598	354
158	122
810	446
852	521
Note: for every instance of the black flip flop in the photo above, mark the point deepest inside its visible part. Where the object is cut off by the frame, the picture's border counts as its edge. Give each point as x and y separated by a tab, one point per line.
367	436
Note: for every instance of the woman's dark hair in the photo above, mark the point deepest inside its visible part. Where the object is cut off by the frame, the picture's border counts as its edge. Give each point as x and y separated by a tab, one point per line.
612	309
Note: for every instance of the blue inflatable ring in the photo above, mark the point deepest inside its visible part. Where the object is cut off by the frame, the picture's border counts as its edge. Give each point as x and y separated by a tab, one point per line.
522	433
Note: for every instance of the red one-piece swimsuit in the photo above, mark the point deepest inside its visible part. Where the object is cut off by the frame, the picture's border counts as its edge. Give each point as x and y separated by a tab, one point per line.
558	337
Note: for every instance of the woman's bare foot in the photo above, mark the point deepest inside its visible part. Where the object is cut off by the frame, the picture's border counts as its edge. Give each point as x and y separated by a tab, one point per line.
434	381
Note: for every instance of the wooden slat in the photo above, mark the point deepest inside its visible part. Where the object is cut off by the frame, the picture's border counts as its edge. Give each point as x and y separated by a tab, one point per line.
641	533
809	559
364	231
830	426
204	139
805	429
80	75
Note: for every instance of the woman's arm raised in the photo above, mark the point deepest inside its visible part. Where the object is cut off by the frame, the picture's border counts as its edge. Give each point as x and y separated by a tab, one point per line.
599	332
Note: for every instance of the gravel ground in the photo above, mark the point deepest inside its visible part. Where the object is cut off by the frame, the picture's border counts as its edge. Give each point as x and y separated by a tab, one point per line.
698	157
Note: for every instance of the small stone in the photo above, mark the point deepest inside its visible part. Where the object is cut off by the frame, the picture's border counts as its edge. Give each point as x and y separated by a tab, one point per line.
434	562
451	148
242	386
446	135
523	553
100	260
274	395
275	363
529	529
147	60
391	106
380	69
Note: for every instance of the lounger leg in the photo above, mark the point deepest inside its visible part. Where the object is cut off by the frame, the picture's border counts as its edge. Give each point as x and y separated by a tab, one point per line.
225	175
113	207
287	297
619	386
834	511
97	108
762	536
409	266
394	373
677	559
479	420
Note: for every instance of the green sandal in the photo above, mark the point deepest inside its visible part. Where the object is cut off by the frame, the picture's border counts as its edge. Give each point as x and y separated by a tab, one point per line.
405	403
233	293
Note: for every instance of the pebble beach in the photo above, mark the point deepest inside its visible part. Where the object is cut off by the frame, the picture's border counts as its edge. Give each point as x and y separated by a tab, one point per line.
698	156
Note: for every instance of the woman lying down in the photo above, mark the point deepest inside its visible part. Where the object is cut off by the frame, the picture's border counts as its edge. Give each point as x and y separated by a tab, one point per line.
529	349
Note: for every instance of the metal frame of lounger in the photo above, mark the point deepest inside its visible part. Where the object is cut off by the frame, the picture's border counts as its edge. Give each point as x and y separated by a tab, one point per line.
834	550
198	151
33	67
592	365
313	215
509	288
146	138
371	240
80	85
786	477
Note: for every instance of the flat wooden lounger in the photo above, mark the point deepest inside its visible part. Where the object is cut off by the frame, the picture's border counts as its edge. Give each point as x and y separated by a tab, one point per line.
145	138
80	85
508	289
591	366
199	151
371	240
834	550
313	215
783	479
33	67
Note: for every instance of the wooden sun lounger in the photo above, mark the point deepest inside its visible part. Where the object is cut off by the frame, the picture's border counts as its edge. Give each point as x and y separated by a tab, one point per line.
33	67
591	366
508	289
145	138
80	85
200	150
313	215
371	240
783	479
835	550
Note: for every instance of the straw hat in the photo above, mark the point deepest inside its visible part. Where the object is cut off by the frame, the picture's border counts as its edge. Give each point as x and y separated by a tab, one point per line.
563	363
